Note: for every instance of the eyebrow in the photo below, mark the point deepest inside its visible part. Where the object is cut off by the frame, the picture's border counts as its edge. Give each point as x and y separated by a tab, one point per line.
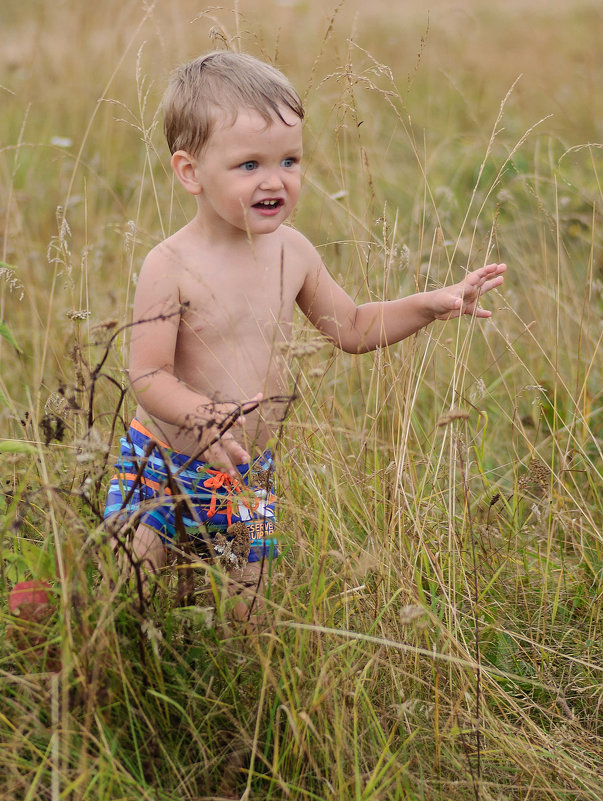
243	155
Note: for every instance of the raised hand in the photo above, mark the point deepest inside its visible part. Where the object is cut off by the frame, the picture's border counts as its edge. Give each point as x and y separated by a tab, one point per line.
462	298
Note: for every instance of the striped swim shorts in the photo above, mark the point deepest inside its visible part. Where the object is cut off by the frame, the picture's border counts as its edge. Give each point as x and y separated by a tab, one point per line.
154	483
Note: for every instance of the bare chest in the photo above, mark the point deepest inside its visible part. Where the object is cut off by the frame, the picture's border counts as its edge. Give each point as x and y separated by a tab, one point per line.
222	305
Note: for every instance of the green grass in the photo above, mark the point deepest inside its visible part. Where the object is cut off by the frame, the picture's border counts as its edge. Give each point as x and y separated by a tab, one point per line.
435	627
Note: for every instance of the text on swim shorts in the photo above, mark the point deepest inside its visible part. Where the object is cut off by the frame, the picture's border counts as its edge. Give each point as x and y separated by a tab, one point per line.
260	529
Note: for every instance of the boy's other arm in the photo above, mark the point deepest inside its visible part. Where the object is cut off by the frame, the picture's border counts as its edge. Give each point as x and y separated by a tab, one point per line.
156	320
358	329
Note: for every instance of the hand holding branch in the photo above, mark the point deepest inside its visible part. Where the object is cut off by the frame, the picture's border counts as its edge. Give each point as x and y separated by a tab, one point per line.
217	445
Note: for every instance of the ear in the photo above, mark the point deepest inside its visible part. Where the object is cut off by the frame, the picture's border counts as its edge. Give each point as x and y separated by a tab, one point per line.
185	167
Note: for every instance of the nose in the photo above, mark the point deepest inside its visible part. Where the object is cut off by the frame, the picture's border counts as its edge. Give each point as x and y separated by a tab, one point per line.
272	181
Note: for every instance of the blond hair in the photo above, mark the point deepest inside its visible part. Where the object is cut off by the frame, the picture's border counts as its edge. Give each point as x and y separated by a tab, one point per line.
222	81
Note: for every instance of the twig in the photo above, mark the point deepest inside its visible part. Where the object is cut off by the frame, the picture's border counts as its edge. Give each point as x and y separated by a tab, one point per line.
478	673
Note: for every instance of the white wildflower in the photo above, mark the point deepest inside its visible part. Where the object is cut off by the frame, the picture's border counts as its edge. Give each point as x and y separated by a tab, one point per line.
477	391
130	236
154	635
61	141
411	613
9	276
301	348
57	405
78	314
90	446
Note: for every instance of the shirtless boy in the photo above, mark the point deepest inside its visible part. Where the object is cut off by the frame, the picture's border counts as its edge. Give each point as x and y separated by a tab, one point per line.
214	306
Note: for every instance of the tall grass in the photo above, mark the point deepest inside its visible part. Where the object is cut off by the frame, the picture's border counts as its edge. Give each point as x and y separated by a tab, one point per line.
435	617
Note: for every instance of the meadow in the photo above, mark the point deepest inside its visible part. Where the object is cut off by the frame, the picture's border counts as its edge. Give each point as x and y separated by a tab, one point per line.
435	618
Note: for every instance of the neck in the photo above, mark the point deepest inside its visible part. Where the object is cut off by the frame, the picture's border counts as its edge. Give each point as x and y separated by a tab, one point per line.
223	234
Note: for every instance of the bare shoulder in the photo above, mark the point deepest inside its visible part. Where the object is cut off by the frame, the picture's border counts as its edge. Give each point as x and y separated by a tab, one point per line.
295	239
162	276
299	249
168	256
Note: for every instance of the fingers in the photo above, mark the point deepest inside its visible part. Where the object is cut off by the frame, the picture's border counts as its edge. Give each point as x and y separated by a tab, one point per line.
491	269
244	408
477	284
487	277
226	454
492	284
235	451
228	450
232	453
251	405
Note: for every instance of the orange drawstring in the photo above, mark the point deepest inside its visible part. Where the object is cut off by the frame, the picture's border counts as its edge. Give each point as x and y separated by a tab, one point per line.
218	480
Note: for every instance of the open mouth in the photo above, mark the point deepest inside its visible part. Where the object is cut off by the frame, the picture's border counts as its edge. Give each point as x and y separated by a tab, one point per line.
268	205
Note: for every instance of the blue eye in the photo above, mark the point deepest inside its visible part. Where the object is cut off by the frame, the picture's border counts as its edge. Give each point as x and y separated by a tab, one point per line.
290	162
248	166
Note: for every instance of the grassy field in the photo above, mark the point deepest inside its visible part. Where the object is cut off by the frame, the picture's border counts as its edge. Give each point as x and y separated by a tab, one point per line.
435	627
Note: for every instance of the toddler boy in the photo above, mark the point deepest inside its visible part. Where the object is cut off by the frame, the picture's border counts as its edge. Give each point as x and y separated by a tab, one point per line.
214	307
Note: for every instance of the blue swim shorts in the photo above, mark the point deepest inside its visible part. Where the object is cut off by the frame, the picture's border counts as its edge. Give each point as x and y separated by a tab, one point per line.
143	490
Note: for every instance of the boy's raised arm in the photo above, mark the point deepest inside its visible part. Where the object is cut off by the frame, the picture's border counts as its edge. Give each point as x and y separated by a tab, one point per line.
358	329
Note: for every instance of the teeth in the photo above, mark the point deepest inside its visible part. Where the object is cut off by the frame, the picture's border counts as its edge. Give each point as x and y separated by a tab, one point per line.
271	204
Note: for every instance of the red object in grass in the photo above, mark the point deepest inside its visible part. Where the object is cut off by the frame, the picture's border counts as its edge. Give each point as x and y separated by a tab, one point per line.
30	600
30	604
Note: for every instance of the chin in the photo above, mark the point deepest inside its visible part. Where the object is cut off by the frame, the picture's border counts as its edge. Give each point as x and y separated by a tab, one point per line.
266	227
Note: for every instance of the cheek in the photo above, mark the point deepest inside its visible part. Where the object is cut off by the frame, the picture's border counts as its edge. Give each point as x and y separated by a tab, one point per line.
241	188
234	195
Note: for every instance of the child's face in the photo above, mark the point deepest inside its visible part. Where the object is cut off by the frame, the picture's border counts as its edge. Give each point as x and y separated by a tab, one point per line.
250	173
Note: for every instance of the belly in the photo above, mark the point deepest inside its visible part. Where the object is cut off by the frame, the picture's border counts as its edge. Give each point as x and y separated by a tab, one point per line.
233	378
